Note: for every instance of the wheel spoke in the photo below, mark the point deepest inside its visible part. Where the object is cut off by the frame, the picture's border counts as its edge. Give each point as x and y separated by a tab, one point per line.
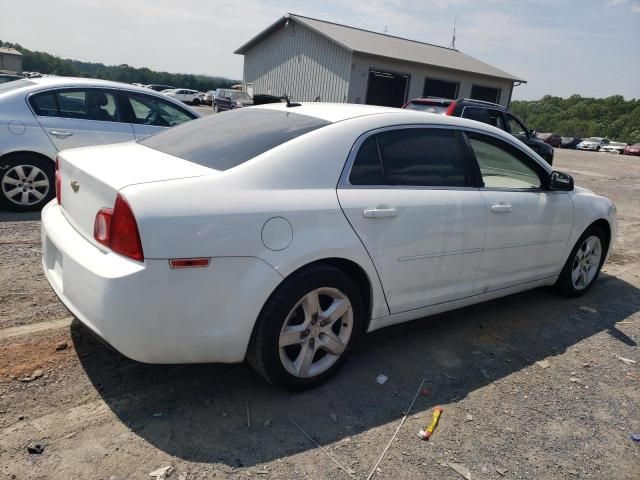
13	193
33	173
292	336
11	181
20	171
311	304
305	359
41	183
336	310
37	194
332	343
25	198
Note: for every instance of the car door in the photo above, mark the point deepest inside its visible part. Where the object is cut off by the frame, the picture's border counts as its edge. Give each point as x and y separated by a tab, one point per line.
408	196
149	114
79	117
516	128
527	225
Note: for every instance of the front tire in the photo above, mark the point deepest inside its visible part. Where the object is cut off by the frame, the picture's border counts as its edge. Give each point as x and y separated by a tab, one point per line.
215	108
584	263
26	182
196	102
307	328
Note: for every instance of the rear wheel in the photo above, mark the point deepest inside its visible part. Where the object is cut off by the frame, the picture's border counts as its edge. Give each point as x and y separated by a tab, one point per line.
584	263
26	182
307	328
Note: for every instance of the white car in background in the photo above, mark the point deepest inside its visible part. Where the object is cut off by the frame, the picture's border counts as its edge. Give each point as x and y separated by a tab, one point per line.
614	147
592	143
40	116
185	95
282	234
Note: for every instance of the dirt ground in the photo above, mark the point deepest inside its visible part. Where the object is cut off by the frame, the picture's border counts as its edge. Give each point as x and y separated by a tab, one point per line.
102	416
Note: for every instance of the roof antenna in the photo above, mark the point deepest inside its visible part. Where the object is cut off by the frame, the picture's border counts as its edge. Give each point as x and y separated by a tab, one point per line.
289	102
452	45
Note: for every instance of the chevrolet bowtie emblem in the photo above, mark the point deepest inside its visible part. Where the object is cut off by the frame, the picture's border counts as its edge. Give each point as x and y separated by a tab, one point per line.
75	186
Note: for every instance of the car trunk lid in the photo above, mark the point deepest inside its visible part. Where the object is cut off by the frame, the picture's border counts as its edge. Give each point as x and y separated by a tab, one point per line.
91	178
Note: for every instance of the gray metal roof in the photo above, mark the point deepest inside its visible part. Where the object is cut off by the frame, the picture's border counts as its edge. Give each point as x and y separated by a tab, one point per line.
10	51
372	43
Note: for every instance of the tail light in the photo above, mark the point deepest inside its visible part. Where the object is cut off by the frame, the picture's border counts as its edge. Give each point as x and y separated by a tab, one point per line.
58	182
451	108
117	229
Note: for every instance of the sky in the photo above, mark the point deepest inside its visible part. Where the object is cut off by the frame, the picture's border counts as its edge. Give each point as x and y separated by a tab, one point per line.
561	47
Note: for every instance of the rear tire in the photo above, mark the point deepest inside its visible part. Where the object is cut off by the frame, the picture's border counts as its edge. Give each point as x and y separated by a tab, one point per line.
27	182
584	263
296	346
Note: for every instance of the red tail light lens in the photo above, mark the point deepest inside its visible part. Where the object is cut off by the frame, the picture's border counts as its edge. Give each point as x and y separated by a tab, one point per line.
58	182
451	108
117	229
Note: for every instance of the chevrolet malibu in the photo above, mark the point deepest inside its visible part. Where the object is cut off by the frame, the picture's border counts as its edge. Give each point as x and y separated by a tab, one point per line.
281	234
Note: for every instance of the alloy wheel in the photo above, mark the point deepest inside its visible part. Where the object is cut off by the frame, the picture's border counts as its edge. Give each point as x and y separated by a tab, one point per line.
586	262
25	185
316	332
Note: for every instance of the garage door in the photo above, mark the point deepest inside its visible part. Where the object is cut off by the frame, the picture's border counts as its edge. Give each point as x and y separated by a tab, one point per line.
486	94
440	88
387	89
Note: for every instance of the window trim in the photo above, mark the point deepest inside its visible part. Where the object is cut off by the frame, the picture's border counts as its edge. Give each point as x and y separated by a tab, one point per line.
470	178
535	165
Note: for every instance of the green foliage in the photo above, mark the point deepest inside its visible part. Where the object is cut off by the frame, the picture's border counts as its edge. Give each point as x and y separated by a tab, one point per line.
45	63
577	116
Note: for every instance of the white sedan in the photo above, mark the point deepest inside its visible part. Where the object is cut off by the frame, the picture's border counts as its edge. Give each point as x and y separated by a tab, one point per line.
185	95
282	234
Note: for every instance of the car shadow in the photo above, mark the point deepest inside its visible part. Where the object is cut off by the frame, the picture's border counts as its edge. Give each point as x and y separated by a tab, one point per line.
11	216
227	414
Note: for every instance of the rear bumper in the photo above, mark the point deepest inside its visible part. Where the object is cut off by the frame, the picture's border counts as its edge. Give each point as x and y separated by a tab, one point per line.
152	313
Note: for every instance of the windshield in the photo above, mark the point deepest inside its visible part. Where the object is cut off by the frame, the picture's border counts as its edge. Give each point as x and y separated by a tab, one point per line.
430	108
14	85
225	141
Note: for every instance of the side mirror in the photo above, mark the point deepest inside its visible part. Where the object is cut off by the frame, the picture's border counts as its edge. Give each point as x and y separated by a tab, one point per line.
228	98
562	182
532	133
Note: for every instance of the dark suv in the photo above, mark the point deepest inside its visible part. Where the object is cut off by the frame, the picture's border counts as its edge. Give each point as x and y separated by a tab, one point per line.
486	112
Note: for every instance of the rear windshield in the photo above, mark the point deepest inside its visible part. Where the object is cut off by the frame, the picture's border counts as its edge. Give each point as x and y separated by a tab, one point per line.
225	140
14	85
425	107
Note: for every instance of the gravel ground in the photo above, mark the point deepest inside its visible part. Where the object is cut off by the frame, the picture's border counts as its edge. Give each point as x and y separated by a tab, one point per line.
100	415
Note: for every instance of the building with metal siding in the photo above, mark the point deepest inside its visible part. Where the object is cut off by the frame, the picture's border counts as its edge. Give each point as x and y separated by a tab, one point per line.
311	59
10	61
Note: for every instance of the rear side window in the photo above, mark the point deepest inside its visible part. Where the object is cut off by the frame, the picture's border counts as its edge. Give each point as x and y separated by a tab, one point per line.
478	114
229	139
367	169
45	105
422	157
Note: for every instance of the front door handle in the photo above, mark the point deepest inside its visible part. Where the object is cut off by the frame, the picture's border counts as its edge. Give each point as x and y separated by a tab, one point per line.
380	212
501	208
60	133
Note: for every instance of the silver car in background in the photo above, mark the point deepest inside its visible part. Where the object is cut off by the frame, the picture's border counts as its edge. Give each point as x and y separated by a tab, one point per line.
41	116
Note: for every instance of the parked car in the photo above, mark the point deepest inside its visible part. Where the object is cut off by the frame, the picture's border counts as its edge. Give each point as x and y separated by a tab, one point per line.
5	77
159	87
207	99
41	116
228	99
614	147
264	98
313	224
632	149
491	114
192	97
554	140
570	142
592	143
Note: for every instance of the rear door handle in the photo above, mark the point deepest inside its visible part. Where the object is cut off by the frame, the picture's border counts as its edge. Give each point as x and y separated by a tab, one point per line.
380	212
501	208
60	133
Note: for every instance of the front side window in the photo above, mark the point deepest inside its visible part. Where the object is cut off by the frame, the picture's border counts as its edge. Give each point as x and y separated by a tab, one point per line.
514	126
224	141
156	112
501	165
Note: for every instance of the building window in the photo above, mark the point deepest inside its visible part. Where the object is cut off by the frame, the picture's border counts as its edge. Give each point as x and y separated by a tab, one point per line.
440	88
486	94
